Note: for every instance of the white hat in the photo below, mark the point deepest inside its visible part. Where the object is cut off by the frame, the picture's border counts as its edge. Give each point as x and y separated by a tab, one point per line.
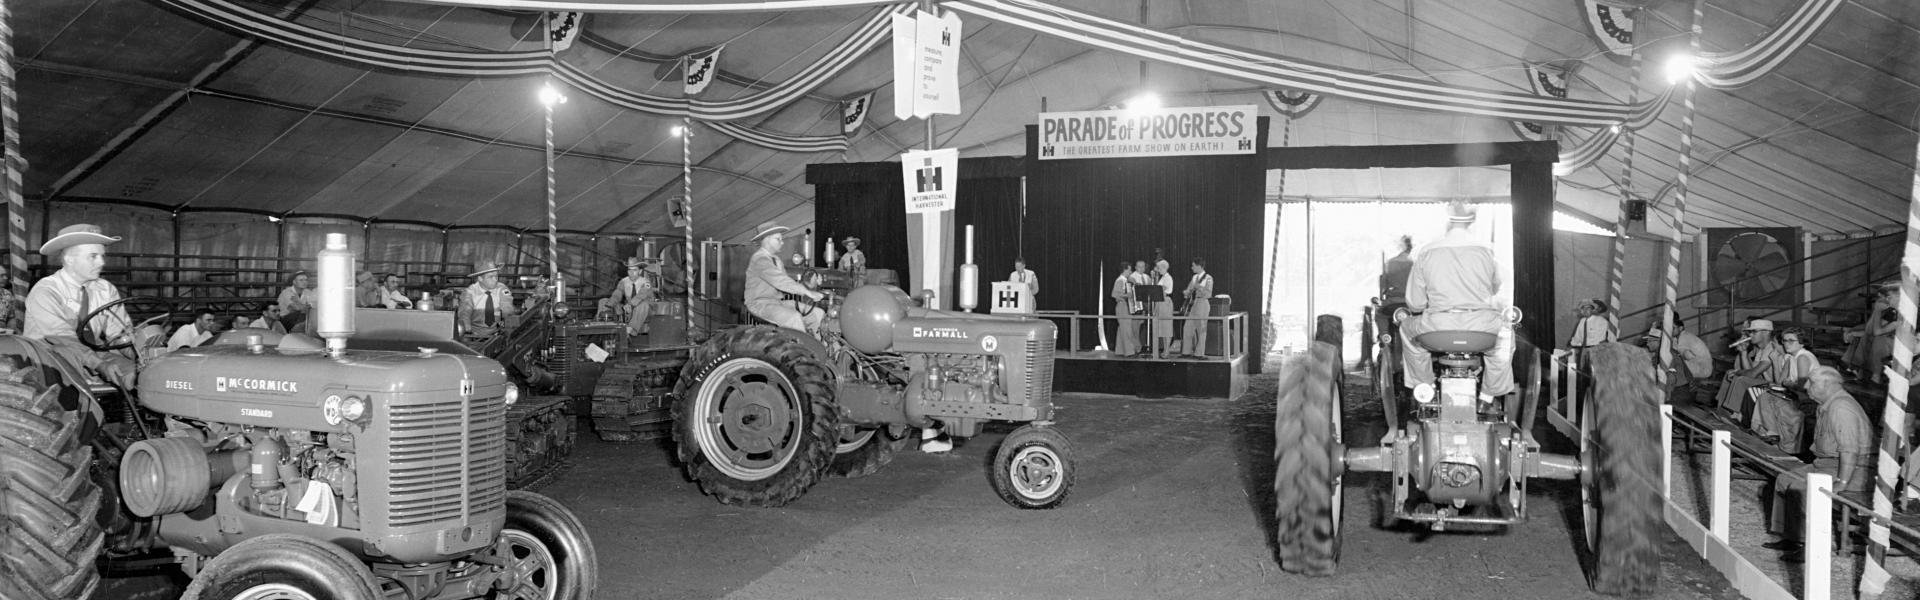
1760	325
483	267
770	228
74	235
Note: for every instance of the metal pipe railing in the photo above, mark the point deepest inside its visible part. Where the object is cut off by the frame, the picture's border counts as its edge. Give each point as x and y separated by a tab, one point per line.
1729	286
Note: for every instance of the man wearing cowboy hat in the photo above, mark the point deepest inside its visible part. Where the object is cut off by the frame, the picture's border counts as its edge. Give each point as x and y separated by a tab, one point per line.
1756	361
485	305
1453	287
57	302
632	294
854	261
766	280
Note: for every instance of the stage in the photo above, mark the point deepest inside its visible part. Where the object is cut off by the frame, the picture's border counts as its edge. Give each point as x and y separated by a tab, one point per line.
1102	372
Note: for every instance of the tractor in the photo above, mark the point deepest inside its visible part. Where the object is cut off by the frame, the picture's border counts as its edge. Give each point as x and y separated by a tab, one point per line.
275	466
761	412
1458	461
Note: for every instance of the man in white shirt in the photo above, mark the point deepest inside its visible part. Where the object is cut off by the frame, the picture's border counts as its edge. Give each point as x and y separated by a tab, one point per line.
195	333
1021	274
1453	287
392	295
632	295
57	302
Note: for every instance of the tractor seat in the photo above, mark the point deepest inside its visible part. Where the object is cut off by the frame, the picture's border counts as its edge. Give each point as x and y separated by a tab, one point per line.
1457	341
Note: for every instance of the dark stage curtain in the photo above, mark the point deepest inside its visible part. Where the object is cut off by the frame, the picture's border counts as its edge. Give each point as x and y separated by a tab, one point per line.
868	201
1085	213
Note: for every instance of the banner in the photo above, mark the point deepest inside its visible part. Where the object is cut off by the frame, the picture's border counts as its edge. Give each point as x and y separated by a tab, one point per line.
1182	131
926	65
853	113
700	69
930	177
1291	104
1611	28
562	28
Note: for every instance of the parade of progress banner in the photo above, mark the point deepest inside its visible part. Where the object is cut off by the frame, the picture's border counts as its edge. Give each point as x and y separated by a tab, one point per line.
1183	131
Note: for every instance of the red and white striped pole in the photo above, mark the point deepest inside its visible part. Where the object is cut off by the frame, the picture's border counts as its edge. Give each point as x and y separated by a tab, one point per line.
686	211
10	119
1685	178
1618	271
1893	416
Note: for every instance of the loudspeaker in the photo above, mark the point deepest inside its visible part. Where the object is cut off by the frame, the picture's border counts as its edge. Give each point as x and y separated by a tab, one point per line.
1637	210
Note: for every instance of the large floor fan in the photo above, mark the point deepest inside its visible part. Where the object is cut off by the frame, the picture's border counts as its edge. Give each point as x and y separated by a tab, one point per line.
1746	266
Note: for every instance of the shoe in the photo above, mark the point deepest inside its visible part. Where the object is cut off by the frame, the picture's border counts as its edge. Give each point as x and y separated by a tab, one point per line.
935	446
1795	557
1782	545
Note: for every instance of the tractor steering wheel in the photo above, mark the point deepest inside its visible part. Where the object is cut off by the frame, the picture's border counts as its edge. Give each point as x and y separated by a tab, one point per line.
125	338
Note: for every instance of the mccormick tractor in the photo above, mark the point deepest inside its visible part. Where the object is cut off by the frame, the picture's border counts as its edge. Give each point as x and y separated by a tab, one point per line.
762	412
1459	461
275	466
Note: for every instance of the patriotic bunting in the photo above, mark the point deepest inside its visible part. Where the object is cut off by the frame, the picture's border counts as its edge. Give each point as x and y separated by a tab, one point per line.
1292	104
699	69
562	28
1545	80
1611	27
853	113
1722	70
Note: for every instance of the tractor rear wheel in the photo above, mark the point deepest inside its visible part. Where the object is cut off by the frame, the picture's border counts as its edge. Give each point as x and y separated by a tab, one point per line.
48	500
548	550
754	418
284	566
865	452
1620	453
1307	460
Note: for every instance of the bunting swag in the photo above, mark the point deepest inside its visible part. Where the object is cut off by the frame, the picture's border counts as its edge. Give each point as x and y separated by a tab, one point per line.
870	35
1545	80
1293	104
1612	28
562	28
1733	69
853	113
699	70
781	141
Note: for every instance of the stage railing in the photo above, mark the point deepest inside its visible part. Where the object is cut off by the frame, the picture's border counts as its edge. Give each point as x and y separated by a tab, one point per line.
1711	540
1233	329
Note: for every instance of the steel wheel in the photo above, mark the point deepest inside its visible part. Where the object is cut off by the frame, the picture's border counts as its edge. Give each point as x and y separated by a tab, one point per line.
274	591
533	564
751	426
1033	468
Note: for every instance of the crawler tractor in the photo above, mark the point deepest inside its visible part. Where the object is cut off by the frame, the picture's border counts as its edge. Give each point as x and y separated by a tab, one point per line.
275	466
762	412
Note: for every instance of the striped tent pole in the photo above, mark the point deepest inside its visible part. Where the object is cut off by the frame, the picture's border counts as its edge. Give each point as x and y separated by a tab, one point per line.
1273	265
1685	178
1618	271
553	217
686	214
1893	416
10	119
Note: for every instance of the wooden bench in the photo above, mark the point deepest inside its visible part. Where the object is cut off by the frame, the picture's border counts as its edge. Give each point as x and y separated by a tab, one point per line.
1741	438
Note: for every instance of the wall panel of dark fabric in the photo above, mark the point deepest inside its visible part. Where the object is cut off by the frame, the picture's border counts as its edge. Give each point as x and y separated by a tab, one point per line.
1082	214
867	200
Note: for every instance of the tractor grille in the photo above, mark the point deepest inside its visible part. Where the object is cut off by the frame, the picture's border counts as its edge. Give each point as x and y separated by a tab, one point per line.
448	460
570	347
1040	369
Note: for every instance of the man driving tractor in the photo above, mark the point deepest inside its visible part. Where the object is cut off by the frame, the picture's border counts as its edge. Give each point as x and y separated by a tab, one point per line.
1452	288
57	302
766	280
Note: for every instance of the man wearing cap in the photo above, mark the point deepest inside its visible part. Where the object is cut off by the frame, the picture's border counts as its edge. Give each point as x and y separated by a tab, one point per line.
632	295
766	280
366	290
57	302
1753	366
1452	288
854	261
485	305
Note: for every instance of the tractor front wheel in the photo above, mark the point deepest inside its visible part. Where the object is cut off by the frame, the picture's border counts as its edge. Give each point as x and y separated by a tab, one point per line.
548	550
1307	459
754	422
1620	454
1033	468
284	566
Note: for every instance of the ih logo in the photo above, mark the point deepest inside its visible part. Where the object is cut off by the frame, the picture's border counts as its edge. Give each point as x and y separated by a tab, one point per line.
928	178
1007	298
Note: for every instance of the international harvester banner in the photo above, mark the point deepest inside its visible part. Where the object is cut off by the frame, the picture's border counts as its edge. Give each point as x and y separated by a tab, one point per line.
1183	131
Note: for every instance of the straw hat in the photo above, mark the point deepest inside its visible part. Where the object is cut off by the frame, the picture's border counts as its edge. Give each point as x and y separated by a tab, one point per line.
1760	325
74	235
1459	211
851	241
484	267
634	262
770	228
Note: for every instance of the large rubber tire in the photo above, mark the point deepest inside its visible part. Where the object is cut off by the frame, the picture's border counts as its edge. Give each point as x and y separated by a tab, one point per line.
754	419
548	549
284	566
866	452
48	501
1034	468
1306	454
1622	464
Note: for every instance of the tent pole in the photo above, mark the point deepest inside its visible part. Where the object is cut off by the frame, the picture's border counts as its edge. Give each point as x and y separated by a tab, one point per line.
1685	177
10	149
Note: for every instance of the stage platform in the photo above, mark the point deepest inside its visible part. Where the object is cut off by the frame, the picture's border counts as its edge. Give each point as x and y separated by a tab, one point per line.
1102	372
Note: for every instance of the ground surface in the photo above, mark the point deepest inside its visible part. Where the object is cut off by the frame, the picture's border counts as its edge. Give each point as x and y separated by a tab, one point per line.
1173	500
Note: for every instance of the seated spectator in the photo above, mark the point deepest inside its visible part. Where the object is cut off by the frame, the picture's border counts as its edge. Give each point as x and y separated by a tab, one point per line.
193	334
296	301
10	312
1692	361
1842	441
1776	414
392	295
1754	364
270	319
366	290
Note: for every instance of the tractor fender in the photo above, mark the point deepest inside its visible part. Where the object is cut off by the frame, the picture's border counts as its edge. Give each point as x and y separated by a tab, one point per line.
51	364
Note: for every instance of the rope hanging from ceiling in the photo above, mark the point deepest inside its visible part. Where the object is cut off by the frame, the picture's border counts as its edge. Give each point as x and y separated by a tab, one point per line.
870	35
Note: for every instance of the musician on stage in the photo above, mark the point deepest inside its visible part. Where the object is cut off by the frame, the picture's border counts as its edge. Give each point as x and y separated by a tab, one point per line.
766	280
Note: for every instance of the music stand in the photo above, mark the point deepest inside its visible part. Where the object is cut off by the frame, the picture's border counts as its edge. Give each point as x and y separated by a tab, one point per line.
1148	292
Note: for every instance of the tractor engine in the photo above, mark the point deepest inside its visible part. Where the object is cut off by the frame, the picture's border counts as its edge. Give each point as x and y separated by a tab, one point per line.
396	456
962	368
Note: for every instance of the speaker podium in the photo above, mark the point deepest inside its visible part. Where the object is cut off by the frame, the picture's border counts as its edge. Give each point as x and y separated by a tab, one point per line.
1010	298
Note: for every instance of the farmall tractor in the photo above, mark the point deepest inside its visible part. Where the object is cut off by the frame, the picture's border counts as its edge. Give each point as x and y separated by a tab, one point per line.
276	467
1456	461
762	412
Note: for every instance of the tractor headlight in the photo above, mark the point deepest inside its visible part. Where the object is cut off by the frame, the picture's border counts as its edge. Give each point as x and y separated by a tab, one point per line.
1423	392
337	410
513	393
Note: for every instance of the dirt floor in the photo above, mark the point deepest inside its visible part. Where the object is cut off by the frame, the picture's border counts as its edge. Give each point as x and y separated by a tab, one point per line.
1173	499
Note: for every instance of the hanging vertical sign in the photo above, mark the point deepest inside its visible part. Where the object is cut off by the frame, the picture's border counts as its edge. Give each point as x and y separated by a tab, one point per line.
926	65
930	176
